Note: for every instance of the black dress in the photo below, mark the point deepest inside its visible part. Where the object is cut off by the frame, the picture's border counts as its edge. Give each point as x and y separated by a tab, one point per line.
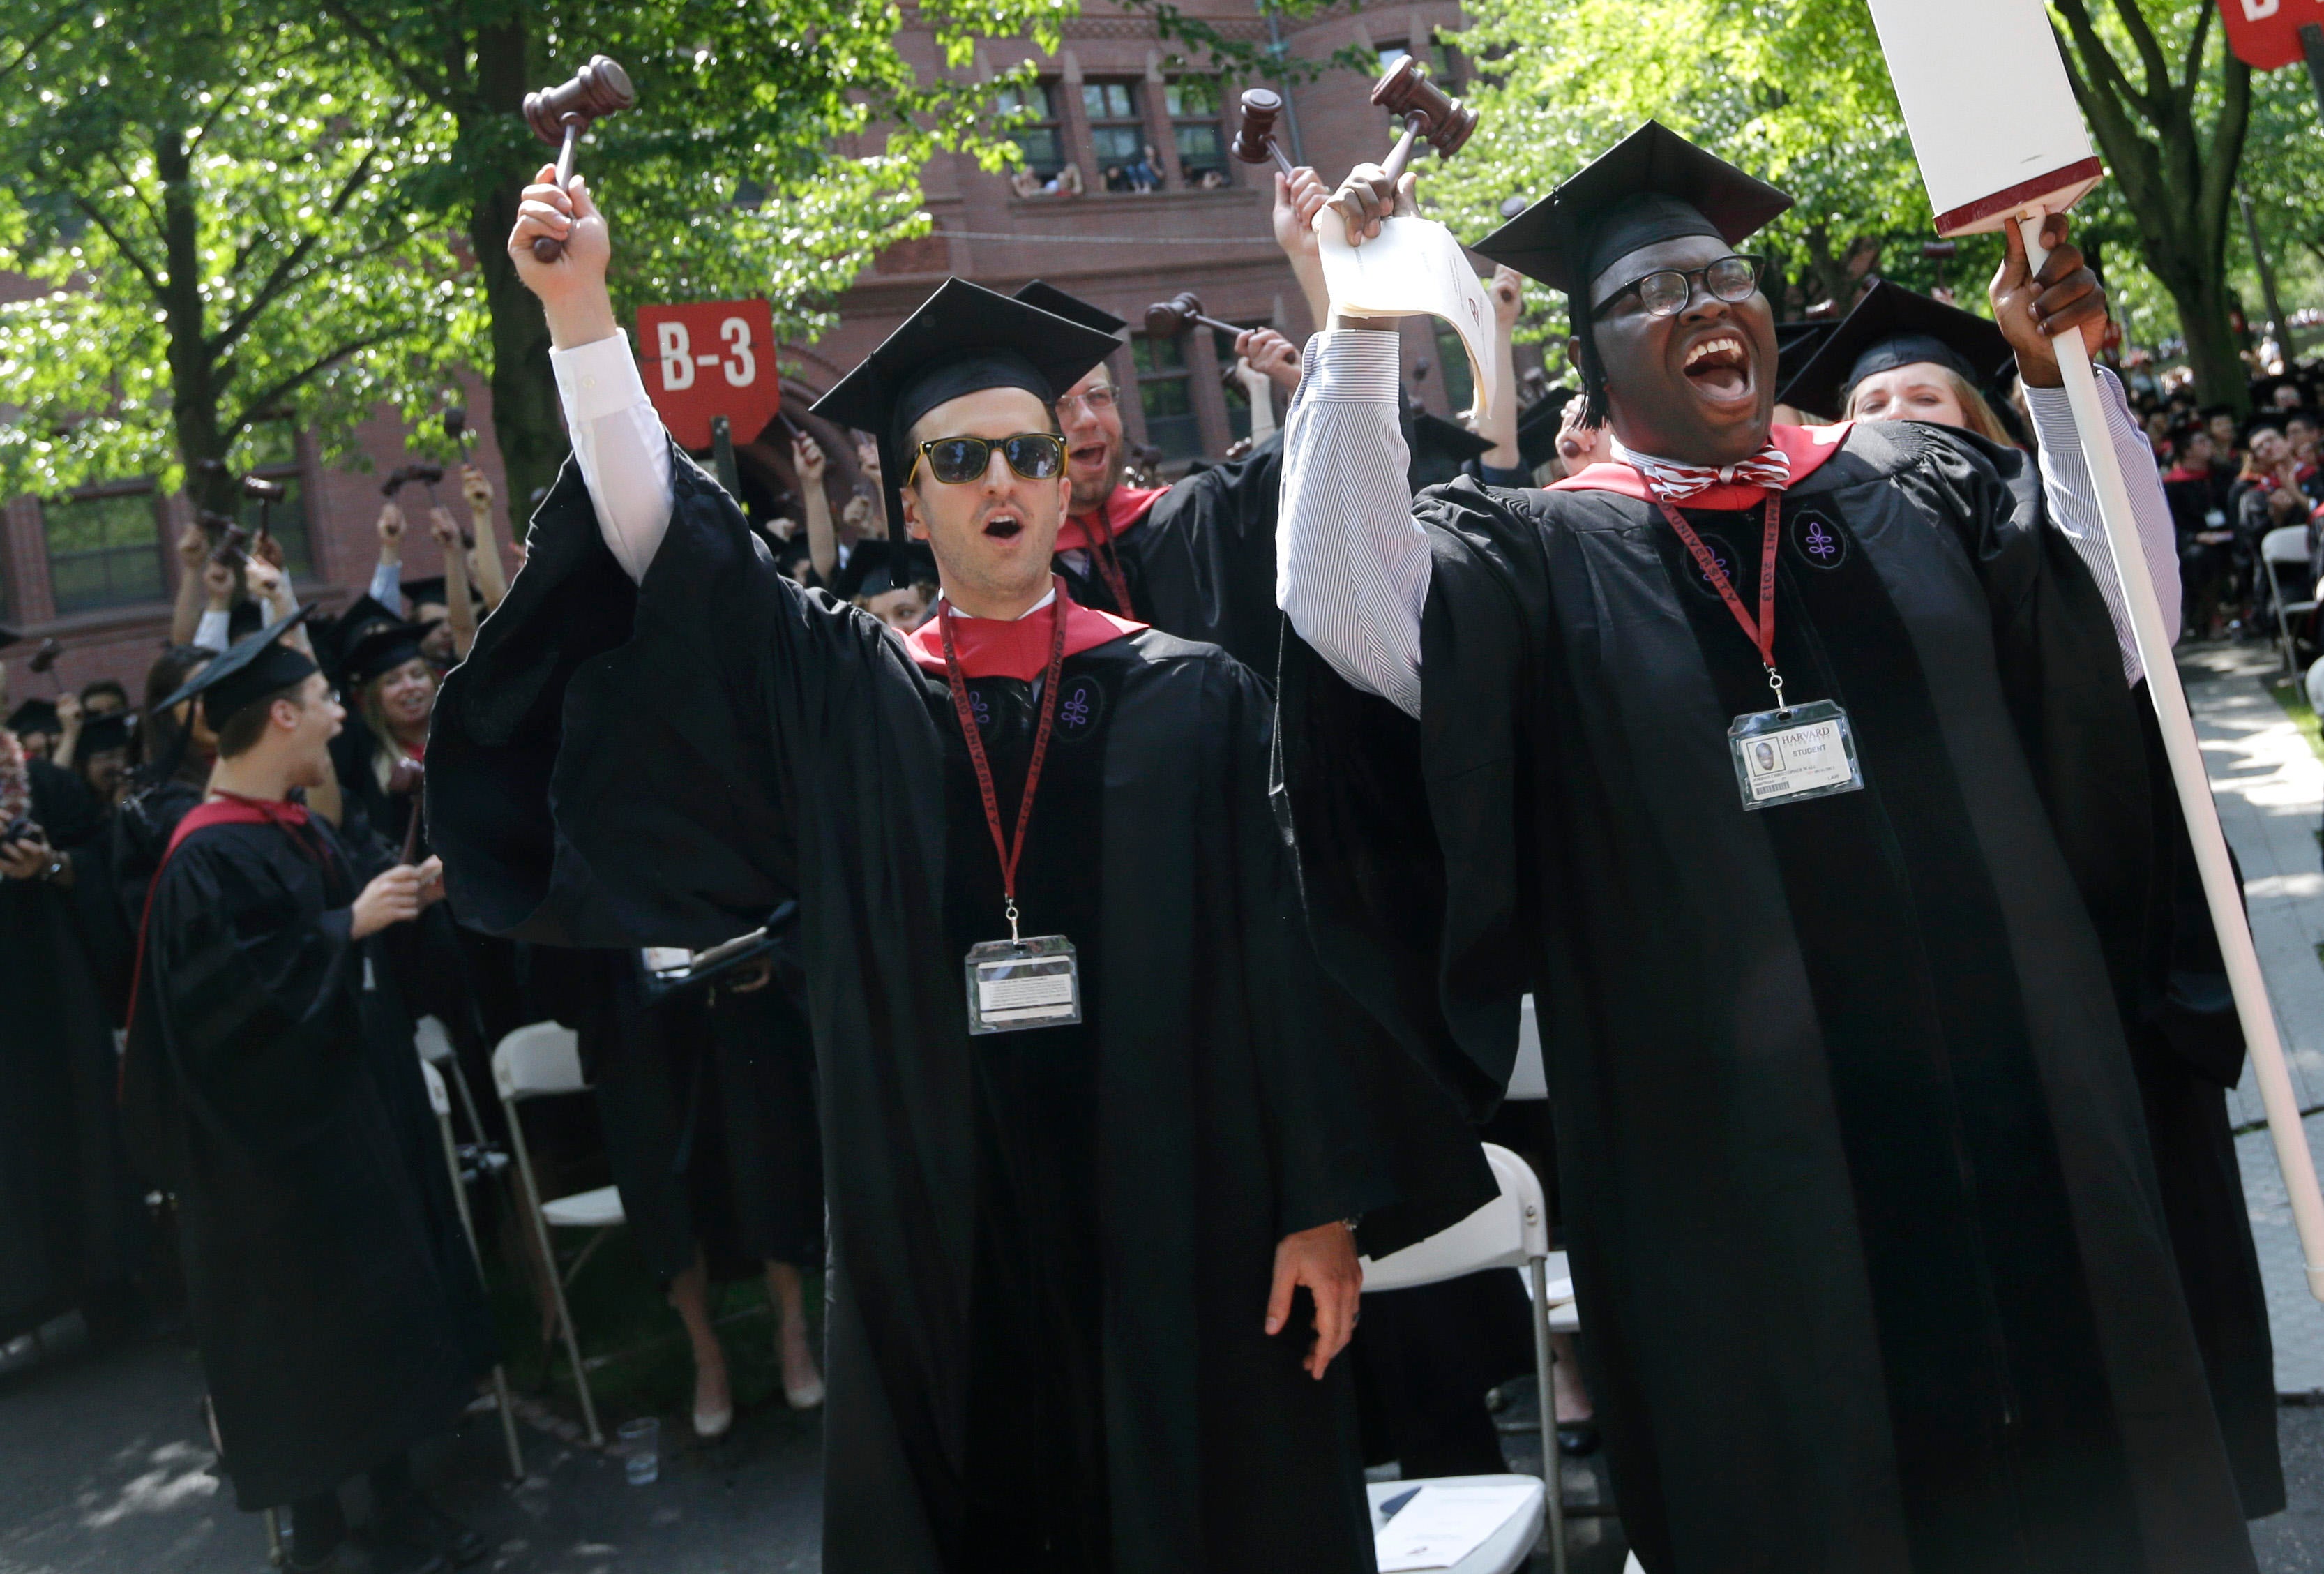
272	1077
1854	1166
1050	1250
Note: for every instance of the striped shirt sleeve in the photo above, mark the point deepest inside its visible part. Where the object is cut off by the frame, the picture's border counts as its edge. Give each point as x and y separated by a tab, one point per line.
1351	564
2072	497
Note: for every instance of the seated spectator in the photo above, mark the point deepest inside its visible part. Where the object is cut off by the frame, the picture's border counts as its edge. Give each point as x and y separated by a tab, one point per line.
1065	182
1146	175
1211	180
2199	518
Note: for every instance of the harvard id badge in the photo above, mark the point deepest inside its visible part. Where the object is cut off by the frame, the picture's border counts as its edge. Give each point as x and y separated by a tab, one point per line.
1014	984
1784	756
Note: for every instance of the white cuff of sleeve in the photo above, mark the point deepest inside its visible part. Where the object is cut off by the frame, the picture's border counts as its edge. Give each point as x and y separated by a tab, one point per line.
1354	365
211	632
598	379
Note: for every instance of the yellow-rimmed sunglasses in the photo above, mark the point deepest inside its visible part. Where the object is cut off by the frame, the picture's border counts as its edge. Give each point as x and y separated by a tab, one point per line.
1037	456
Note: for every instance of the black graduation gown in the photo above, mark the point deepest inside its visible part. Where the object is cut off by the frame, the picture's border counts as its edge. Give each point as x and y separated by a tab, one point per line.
616	764
707	1103
272	1072
1201	564
1855	1172
72	1222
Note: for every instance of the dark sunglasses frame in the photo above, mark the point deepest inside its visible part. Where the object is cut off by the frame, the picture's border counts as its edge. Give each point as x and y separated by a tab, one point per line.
984	447
1691	276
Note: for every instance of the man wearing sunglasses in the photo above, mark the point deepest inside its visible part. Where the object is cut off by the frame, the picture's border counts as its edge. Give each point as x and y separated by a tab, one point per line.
1091	1165
1795	773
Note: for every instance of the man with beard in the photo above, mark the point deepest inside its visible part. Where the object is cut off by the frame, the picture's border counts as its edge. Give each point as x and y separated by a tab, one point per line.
1089	1183
1830	727
1196	559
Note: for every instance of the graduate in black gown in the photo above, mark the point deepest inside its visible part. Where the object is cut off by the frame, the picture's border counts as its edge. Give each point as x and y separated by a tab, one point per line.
272	1081
1900	356
1075	1243
72	1223
1866	1232
1196	558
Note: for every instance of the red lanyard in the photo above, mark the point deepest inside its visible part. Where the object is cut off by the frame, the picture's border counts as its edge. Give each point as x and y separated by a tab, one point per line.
1761	633
1011	850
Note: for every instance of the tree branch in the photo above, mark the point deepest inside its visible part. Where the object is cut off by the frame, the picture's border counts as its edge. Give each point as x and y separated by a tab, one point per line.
268	292
2149	49
128	252
2105	73
255	407
32	46
432	88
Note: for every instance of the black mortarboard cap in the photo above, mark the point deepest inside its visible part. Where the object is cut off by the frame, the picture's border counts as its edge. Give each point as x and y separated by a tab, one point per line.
1654	185
250	671
1796	344
870	569
101	733
35	715
1072	308
964	338
244	619
1440	450
1538	427
333	635
1895	327
378	647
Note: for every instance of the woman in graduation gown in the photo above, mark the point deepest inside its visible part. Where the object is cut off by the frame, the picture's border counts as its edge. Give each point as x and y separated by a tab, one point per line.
72	1225
707	1096
1062	1331
1863	1221
1900	356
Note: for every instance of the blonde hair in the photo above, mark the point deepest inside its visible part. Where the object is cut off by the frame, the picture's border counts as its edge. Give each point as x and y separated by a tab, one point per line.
1977	415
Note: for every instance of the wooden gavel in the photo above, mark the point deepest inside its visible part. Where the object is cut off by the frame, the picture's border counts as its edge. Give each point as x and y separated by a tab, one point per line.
404	779
1254	139
230	550
559	115
1169	319
1446	122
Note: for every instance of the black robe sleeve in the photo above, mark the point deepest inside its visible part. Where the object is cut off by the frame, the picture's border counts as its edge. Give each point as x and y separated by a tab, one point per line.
619	764
1207	563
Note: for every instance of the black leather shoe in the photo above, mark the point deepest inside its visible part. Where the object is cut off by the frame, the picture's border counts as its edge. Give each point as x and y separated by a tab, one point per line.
416	1524
1578	1439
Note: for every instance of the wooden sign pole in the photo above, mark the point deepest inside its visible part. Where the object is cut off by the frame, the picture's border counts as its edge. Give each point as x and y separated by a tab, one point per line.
2220	887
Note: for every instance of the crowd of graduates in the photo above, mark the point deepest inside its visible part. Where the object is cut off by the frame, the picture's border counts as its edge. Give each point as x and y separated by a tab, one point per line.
215	1083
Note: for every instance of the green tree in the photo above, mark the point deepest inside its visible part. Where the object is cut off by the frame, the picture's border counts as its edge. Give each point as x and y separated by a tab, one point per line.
775	149
2170	107
213	210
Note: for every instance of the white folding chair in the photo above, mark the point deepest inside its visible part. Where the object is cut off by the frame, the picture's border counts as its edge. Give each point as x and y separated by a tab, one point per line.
2282	550
543	1060
1527	1079
1512	1231
438	1101
435	1044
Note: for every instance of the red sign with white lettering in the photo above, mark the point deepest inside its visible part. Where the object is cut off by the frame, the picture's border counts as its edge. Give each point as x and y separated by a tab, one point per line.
2266	34
708	358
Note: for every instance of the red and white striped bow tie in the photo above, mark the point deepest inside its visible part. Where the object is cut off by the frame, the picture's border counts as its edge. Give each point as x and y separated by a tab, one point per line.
1675	482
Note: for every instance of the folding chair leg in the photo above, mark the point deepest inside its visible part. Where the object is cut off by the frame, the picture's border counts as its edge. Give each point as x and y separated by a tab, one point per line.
556	1285
468	1099
468	1228
1553	1475
276	1554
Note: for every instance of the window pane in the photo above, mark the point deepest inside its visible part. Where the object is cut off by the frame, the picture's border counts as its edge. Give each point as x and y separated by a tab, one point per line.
1035	99
1390	53
1192	95
1201	147
1452	355
1108	101
1117	145
1043	152
1156	355
103	551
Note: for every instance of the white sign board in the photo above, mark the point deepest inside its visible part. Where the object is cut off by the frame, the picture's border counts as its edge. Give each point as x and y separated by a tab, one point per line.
1413	267
1993	121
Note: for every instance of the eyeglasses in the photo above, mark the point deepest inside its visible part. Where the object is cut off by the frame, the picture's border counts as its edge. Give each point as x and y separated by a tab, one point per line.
1096	402
1037	456
1665	292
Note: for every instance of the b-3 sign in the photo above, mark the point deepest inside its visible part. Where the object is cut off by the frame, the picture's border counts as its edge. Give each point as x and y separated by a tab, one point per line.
709	358
2266	34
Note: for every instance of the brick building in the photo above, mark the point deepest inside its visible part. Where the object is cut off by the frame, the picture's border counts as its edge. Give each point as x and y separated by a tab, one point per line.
96	570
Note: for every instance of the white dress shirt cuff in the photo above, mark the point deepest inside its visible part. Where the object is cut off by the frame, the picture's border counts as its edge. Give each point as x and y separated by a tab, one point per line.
599	379
212	634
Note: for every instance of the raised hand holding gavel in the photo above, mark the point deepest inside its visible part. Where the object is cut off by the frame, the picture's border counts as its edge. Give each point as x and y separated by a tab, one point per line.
1446	122
559	115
